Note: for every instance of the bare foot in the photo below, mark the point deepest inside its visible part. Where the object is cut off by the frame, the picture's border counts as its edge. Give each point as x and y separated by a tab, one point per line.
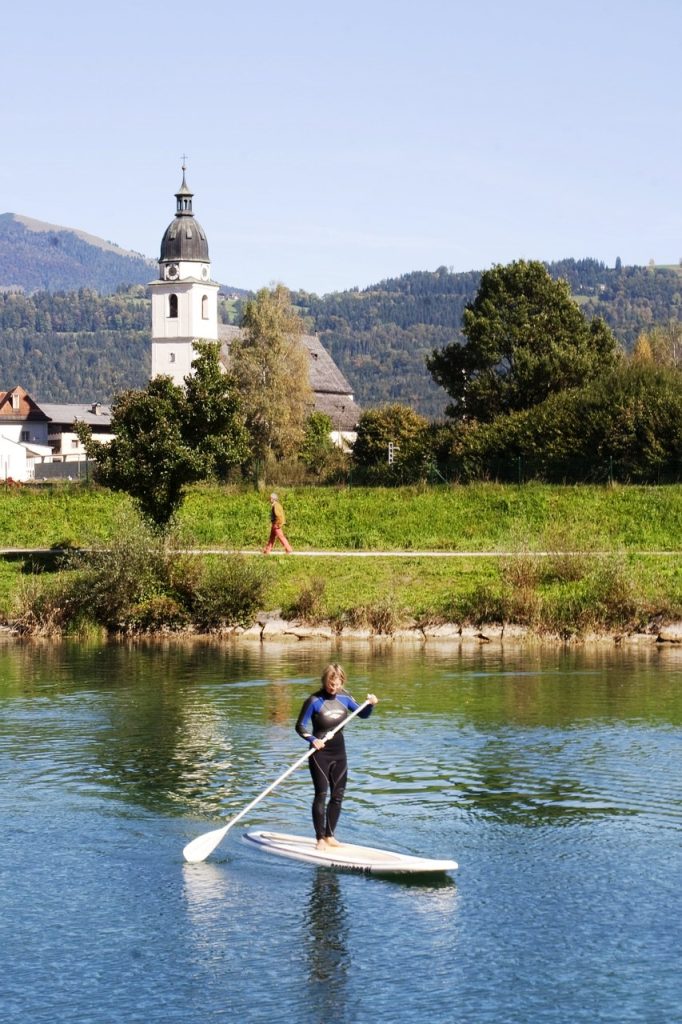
330	841
321	844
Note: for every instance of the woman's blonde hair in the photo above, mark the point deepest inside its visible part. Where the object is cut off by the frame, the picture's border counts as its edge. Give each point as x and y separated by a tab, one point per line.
334	671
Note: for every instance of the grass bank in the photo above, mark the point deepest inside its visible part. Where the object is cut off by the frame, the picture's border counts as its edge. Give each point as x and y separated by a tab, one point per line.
617	583
475	517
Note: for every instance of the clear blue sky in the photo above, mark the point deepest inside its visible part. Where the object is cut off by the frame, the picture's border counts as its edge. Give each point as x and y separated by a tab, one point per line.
335	145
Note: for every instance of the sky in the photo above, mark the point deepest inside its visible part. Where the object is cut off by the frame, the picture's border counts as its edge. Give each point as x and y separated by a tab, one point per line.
334	146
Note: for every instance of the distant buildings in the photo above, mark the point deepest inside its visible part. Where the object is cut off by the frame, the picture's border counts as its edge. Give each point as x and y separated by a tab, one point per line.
37	439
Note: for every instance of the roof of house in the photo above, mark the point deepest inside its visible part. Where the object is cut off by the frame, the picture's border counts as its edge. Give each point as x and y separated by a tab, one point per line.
94	414
28	408
341	409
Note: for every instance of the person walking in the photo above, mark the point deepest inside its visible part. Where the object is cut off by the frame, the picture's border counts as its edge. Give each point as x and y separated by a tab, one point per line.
322	711
277	520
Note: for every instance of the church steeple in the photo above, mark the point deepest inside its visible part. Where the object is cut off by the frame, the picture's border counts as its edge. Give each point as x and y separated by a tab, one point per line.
184	298
184	239
184	197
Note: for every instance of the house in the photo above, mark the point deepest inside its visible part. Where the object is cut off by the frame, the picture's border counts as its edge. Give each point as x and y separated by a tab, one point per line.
185	308
35	435
65	443
23	435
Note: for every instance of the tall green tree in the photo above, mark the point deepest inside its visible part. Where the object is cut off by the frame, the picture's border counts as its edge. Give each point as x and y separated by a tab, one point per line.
167	437
270	366
392	445
215	423
526	339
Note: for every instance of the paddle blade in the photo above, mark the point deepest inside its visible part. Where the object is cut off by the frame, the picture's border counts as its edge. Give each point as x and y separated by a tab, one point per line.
200	848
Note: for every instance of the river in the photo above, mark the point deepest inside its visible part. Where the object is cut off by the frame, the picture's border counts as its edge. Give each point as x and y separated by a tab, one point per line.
551	775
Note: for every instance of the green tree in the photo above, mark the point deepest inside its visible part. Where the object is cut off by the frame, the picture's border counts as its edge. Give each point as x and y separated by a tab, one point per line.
317	446
214	424
270	366
391	445
167	437
526	339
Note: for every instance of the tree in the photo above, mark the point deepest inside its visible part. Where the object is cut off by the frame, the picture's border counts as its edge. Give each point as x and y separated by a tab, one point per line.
661	344
391	444
526	339
271	372
317	446
167	437
214	424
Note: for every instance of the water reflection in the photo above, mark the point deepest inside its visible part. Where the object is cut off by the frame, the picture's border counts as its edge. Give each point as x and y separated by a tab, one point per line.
326	938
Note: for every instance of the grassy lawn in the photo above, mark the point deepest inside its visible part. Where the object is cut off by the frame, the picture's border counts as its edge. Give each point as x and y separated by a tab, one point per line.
477	517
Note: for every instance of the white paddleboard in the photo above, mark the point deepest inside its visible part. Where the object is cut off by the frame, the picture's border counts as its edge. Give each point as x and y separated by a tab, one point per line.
348	855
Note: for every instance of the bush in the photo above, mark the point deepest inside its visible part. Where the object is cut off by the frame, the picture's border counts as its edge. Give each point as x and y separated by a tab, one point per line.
229	592
382	618
42	607
139	584
309	605
402	427
136	567
626	424
157	614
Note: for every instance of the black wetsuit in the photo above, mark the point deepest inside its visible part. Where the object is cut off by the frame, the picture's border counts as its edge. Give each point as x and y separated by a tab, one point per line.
328	767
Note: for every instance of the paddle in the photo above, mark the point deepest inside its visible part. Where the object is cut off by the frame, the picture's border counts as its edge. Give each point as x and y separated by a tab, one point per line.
200	848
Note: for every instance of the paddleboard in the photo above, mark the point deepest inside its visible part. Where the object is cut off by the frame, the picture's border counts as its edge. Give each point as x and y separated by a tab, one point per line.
348	856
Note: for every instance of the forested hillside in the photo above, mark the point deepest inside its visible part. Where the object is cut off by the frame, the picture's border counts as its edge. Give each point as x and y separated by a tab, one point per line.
81	346
35	256
381	335
75	346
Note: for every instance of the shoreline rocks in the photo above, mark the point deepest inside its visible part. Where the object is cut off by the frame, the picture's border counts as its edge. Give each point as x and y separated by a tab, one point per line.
271	626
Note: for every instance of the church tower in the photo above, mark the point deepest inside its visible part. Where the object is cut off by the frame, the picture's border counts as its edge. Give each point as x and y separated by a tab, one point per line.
184	299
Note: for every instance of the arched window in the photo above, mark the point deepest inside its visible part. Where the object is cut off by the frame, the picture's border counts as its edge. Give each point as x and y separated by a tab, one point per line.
204	307
173	306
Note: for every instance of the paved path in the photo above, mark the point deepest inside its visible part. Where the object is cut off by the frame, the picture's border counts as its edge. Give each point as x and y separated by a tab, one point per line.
367	554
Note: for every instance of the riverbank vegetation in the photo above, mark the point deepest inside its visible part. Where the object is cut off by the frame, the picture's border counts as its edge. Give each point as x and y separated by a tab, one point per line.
558	560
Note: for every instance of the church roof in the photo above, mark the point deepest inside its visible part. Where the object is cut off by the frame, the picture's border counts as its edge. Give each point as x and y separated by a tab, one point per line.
184	239
325	375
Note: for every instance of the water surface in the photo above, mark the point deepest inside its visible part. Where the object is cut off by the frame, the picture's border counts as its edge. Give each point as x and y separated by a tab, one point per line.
551	776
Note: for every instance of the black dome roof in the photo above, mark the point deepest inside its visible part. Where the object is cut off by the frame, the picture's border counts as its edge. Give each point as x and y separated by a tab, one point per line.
184	238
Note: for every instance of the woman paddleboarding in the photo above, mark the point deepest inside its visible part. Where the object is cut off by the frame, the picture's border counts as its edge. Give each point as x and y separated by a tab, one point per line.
322	711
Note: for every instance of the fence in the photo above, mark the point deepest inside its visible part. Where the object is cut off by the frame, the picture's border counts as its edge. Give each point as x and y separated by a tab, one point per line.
80	470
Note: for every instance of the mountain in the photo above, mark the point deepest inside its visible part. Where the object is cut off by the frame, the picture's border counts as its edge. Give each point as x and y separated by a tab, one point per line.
35	256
